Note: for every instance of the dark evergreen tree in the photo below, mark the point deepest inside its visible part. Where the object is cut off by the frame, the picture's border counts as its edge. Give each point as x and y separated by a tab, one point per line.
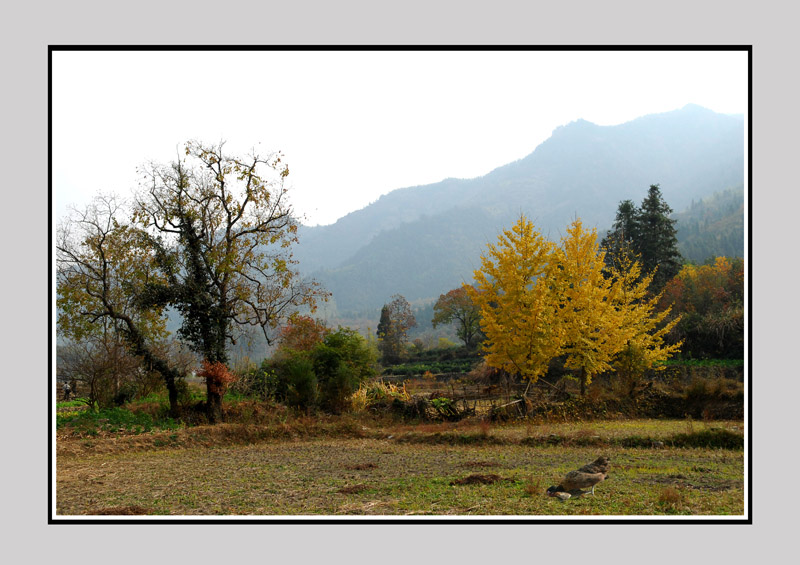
621	240
656	239
646	234
384	324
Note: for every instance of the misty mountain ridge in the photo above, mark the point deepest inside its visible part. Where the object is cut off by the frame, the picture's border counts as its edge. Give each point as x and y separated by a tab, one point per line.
422	241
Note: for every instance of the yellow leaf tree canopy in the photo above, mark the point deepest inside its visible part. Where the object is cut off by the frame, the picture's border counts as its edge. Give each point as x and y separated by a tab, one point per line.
593	325
539	301
102	270
518	305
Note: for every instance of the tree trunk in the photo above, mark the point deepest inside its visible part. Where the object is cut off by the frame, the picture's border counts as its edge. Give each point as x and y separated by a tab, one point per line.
213	405
172	393
137	346
582	377
215	352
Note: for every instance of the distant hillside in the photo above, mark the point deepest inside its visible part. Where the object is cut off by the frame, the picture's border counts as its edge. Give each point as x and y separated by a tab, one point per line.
422	241
712	227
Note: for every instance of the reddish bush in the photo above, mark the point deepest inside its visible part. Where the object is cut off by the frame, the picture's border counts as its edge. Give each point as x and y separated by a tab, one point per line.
217	376
303	333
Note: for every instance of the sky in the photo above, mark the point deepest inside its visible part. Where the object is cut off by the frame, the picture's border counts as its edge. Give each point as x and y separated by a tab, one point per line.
355	125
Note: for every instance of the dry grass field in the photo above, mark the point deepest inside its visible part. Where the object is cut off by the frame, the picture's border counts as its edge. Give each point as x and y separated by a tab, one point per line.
351	467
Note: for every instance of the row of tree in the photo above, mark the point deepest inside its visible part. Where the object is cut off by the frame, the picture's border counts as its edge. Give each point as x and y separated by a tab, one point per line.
210	236
710	300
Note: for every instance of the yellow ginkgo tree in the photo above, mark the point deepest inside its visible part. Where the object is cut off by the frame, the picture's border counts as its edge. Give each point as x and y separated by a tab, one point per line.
517	302
539	301
592	321
644	324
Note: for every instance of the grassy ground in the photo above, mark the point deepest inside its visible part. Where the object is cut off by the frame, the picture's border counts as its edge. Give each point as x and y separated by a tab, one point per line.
352	467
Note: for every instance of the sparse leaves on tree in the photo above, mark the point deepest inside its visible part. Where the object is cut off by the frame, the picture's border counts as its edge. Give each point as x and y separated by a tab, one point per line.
395	321
457	307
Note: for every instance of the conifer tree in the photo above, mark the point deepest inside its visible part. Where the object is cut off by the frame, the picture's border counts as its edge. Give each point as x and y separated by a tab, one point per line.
646	235
657	239
620	242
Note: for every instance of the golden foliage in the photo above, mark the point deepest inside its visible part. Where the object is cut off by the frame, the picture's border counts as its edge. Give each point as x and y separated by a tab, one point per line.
539	301
518	305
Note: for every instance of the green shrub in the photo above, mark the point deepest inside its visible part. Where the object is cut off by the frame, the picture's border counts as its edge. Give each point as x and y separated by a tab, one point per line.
301	382
434	367
337	388
185	395
325	376
259	382
445	408
126	393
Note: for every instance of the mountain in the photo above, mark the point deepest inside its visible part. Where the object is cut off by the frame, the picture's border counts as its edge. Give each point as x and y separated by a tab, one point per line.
425	240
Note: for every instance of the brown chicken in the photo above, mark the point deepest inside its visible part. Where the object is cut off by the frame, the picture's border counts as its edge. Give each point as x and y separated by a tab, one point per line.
585	477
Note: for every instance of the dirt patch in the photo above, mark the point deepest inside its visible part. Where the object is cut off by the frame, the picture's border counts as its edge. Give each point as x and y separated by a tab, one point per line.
361	467
478	479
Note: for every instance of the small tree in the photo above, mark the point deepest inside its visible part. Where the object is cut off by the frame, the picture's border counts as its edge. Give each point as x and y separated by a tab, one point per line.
396	319
302	333
102	365
645	326
457	306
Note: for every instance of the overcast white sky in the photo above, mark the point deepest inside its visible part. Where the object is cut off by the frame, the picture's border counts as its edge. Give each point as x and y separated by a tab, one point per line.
356	125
